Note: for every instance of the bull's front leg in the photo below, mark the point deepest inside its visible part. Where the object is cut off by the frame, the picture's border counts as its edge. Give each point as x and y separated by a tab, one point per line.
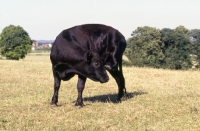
80	88
57	82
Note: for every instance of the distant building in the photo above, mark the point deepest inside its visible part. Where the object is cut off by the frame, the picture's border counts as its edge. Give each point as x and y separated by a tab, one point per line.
34	44
44	45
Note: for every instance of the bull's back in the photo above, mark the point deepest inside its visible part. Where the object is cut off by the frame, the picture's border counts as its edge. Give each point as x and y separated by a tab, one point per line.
86	37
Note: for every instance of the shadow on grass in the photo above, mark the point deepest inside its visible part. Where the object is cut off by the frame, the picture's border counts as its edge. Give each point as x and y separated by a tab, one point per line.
113	97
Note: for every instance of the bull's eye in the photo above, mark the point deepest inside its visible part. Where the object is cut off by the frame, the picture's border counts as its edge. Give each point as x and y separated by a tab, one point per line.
97	63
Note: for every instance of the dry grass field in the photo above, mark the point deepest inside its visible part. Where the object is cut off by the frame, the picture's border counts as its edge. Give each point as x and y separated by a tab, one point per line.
157	100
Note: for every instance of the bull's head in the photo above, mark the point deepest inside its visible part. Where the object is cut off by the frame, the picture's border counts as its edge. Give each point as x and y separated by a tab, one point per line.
95	67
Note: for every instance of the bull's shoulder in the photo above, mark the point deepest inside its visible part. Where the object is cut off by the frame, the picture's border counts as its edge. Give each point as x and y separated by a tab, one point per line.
69	34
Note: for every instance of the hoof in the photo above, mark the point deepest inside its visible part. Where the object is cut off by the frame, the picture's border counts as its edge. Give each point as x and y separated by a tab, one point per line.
78	106
119	100
53	105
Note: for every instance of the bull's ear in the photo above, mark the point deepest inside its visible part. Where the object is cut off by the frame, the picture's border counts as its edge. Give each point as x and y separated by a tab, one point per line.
88	56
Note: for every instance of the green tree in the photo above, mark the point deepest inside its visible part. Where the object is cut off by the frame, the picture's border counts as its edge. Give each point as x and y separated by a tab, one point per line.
145	47
195	34
182	30
195	38
177	48
15	42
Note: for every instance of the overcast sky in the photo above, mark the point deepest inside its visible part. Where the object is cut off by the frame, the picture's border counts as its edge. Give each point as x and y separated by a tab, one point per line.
45	19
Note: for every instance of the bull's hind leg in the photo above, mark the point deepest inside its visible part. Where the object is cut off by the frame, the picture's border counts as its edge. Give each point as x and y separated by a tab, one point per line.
119	78
80	88
57	82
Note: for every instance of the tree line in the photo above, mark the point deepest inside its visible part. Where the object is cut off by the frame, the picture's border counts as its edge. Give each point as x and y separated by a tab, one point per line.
177	48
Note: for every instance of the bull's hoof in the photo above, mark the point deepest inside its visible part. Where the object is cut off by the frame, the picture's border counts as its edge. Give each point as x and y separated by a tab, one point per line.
119	100
78	106
53	105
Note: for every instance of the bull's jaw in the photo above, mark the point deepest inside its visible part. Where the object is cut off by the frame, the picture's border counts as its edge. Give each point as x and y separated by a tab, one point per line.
99	79
104	81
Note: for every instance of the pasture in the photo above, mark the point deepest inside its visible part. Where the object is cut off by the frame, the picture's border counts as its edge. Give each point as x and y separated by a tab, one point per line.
157	100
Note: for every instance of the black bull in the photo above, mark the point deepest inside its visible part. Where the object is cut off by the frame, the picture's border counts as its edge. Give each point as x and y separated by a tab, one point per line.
88	51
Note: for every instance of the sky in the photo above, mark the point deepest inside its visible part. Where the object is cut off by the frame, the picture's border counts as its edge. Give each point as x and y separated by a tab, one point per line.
45	19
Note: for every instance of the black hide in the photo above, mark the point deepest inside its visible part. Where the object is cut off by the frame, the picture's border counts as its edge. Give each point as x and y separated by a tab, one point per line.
88	51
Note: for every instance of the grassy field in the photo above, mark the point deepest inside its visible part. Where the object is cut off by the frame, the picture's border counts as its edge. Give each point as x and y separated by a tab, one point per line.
157	100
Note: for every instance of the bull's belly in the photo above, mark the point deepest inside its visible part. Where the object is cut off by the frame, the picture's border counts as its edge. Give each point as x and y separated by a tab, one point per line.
65	76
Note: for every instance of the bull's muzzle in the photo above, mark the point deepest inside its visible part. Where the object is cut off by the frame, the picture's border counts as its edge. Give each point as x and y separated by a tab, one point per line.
104	80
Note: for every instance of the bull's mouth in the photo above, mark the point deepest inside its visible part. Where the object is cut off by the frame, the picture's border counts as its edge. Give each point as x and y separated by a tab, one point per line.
100	79
104	80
